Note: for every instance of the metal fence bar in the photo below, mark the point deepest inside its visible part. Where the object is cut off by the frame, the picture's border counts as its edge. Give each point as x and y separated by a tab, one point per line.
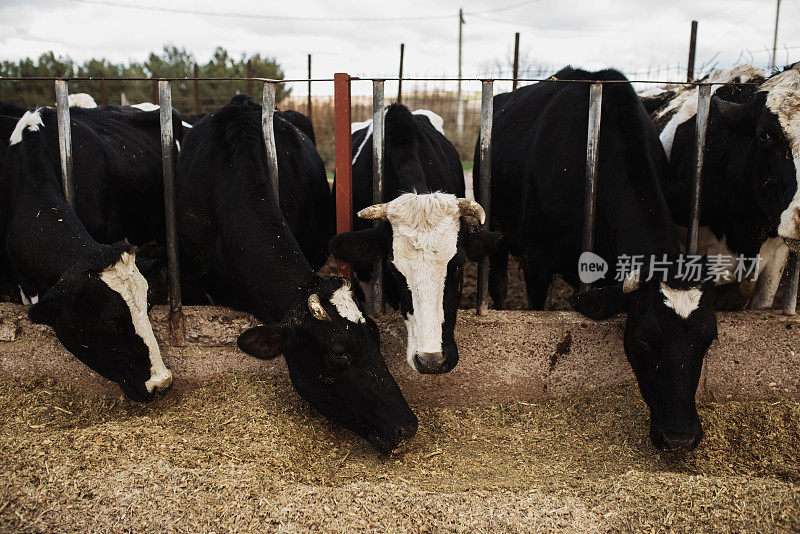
344	164
378	113
485	191
592	153
268	131
170	210
65	140
790	301
703	106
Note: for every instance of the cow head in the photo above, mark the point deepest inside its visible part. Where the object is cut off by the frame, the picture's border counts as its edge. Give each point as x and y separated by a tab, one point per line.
426	249
333	353
98	310
668	330
772	120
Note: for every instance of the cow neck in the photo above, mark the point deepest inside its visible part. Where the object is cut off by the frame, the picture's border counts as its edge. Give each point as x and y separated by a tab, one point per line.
263	254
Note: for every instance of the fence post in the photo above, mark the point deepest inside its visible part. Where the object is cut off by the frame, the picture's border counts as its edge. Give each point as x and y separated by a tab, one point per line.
249	77
485	192
103	99
692	50
196	90
400	77
170	212
516	61
344	164
790	301
308	106
703	105
65	141
592	152
378	112
268	131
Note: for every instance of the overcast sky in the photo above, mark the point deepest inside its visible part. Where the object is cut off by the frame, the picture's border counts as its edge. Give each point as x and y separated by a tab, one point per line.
629	34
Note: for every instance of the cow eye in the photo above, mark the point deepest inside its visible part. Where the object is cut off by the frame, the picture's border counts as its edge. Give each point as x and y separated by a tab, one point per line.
763	137
339	359
642	342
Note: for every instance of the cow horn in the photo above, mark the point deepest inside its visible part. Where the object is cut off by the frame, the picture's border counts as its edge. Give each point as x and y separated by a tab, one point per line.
470	208
376	211
316	309
631	282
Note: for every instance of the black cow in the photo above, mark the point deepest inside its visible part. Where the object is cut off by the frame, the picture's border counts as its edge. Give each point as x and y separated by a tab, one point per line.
751	167
538	180
425	237
92	294
236	245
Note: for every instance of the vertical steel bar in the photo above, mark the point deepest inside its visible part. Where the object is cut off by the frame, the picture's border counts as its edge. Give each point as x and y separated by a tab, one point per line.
309	109
692	50
790	301
703	106
459	101
170	210
485	191
775	36
103	95
65	140
344	155
268	131
515	74
400	76
249	77
592	152
378	111
196	90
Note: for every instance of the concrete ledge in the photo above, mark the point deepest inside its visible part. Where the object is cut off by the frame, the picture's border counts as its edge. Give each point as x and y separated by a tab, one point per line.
506	356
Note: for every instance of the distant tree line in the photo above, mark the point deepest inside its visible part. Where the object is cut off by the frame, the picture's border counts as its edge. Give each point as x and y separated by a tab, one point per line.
172	62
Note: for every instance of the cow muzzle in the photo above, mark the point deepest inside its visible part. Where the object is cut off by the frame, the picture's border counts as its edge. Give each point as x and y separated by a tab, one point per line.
159	381
430	363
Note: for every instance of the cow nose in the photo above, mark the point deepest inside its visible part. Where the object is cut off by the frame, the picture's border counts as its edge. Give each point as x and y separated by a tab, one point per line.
160	381
406	431
679	442
430	363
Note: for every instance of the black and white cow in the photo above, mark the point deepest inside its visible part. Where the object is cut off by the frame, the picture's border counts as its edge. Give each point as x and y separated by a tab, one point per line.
92	294
538	180
751	167
425	237
237	246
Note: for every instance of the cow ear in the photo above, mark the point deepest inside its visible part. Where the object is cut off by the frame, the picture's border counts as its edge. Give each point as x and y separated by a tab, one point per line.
147	266
265	341
600	303
481	243
736	117
362	248
48	308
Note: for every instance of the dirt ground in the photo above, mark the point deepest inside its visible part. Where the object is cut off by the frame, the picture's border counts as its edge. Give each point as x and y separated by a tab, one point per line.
243	452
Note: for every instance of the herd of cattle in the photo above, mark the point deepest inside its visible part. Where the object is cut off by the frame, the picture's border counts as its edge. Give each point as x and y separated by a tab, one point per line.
83	268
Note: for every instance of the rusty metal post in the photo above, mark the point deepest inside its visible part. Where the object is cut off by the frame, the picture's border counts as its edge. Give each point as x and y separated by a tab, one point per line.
485	192
196	90
65	141
592	152
400	77
692	50
155	88
344	156
308	105
170	212
703	106
103	96
268	131
790	301
378	113
516	61
249	77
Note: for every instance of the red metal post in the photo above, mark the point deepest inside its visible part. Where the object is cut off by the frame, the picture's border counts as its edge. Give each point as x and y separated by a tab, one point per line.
344	155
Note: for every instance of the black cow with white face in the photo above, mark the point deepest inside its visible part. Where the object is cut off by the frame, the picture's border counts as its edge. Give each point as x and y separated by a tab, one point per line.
426	236
538	180
750	171
92	294
236	246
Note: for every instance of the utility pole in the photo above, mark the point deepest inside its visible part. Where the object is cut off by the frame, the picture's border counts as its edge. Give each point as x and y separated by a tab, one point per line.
516	61
692	50
775	38
459	101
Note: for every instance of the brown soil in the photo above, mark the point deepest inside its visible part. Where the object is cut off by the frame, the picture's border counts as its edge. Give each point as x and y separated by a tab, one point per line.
243	452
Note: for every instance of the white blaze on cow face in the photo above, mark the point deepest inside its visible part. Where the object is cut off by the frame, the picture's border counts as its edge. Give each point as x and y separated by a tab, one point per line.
342	300
681	301
124	278
30	120
783	100
424	240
